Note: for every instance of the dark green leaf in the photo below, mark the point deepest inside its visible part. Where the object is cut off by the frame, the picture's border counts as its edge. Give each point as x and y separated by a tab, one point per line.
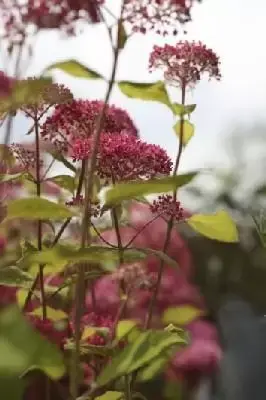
145	91
13	276
11	388
35	208
22	348
140	353
126	191
64	181
59	157
122	37
74	68
153	369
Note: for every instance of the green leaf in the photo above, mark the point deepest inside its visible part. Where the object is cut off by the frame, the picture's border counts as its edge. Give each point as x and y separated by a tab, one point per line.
122	37
219	226
110	395
145	91
10	177
126	191
74	68
13	276
22	348
35	208
52	314
93	254
188	131
182	110
153	369
147	347
124	328
59	157
11	388
64	181
181	315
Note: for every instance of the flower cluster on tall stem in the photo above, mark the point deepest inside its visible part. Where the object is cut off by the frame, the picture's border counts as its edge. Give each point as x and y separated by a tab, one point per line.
185	63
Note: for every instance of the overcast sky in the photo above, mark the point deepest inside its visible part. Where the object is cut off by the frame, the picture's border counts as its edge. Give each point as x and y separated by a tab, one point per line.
234	29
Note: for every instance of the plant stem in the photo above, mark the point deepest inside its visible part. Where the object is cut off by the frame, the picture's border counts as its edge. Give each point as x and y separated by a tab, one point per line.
39	223
170	223
128	393
86	222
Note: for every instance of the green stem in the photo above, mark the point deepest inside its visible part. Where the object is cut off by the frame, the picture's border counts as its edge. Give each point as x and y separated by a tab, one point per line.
170	223
86	223
128	392
39	223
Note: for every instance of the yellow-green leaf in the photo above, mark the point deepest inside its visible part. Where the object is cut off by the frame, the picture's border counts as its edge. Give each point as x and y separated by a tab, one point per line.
219	226
24	92
145	91
64	181
88	332
181	315
10	177
128	191
188	131
147	347
94	254
22	348
37	208
111	396
179	109
13	276
74	68
124	327
52	314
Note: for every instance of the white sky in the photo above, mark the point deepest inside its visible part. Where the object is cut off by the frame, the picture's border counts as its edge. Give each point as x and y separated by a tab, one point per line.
234	29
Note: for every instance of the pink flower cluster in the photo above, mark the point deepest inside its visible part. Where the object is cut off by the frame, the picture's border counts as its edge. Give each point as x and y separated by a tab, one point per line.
78	120
17	16
124	157
157	15
168	206
185	63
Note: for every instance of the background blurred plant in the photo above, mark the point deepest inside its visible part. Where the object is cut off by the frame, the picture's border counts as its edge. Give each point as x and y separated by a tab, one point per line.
103	291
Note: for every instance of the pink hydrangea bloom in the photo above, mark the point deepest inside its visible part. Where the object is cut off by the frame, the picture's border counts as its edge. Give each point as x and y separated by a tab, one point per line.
185	63
201	357
124	157
78	119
